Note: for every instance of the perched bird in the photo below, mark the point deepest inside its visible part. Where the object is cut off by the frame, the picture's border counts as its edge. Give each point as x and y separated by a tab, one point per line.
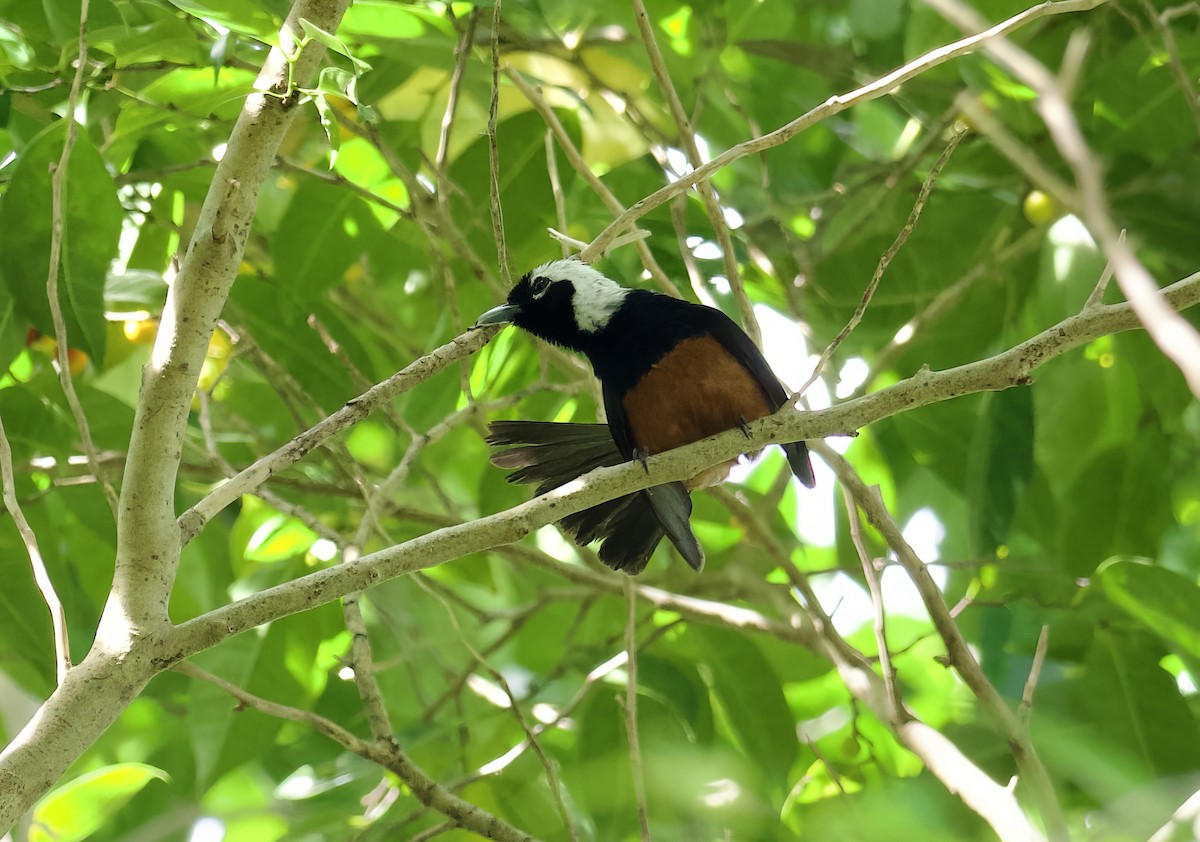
672	373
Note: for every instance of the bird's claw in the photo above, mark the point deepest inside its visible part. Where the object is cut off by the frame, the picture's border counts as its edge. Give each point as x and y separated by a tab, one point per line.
642	456
744	426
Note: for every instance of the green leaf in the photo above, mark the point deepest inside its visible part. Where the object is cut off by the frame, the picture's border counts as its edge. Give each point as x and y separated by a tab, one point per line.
213	712
80	807
12	332
1136	705
329	122
1000	464
240	16
32	428
26	642
266	536
332	42
334	80
92	225
322	233
135	289
1165	602
749	691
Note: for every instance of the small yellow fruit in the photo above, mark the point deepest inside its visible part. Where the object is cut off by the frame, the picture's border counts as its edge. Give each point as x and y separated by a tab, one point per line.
140	332
1041	208
76	360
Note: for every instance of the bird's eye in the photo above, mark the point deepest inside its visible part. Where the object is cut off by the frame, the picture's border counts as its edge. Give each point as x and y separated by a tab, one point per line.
538	287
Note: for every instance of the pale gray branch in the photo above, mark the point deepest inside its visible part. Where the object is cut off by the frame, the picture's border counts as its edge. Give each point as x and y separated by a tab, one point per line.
1032	769
385	753
1007	369
41	576
834	105
1170	331
58	199
126	650
356	409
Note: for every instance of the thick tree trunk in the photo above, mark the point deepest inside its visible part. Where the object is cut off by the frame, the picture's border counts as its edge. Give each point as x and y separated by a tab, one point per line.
134	627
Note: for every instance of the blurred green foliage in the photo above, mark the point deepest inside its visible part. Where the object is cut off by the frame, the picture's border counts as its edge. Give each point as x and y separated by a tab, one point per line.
1074	503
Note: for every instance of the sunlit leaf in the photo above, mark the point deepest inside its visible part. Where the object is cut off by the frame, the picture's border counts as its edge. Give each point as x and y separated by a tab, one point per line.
92	222
79	808
1165	602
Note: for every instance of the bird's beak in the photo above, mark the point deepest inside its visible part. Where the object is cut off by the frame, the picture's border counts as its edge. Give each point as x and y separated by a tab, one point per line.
503	314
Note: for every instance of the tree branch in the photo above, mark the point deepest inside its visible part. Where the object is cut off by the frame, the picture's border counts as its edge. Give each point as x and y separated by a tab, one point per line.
58	197
384	753
834	105
1171	332
1007	369
41	576
126	650
963	660
193	520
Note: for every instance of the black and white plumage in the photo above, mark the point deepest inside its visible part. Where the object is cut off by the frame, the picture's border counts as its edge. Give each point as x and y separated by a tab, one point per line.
672	372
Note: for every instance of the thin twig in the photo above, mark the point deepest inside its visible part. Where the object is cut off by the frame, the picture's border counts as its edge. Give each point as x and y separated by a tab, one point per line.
58	198
1016	149
363	665
695	278
886	260
991	801
834	105
610	200
1173	334
636	766
1161	24
274	500
386	753
959	654
880	618
943	303
193	520
462	52
494	154
340	180
1097	295
41	576
1035	670
560	203
547	765
708	196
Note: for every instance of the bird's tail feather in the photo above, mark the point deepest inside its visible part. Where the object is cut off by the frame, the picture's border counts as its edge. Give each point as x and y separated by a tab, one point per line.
797	456
629	528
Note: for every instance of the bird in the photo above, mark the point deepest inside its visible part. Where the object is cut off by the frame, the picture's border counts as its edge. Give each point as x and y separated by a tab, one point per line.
671	372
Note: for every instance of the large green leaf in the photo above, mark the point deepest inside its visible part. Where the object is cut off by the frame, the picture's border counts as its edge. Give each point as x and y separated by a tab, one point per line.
81	807
26	642
753	701
999	465
92	223
1137	707
1165	602
260	19
324	231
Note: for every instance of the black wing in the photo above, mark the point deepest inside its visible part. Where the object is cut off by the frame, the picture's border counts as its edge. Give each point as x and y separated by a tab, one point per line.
742	347
629	528
671	503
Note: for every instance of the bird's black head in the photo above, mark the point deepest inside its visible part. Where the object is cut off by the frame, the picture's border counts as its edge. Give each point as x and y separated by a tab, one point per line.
565	302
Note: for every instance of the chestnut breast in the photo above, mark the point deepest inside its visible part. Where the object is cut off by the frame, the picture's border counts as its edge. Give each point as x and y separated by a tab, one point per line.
697	390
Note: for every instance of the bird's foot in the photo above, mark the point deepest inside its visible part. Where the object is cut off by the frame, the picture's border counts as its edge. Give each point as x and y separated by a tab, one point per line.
744	426
642	456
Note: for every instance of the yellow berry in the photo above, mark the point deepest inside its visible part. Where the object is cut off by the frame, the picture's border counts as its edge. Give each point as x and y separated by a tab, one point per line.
1041	208
140	332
